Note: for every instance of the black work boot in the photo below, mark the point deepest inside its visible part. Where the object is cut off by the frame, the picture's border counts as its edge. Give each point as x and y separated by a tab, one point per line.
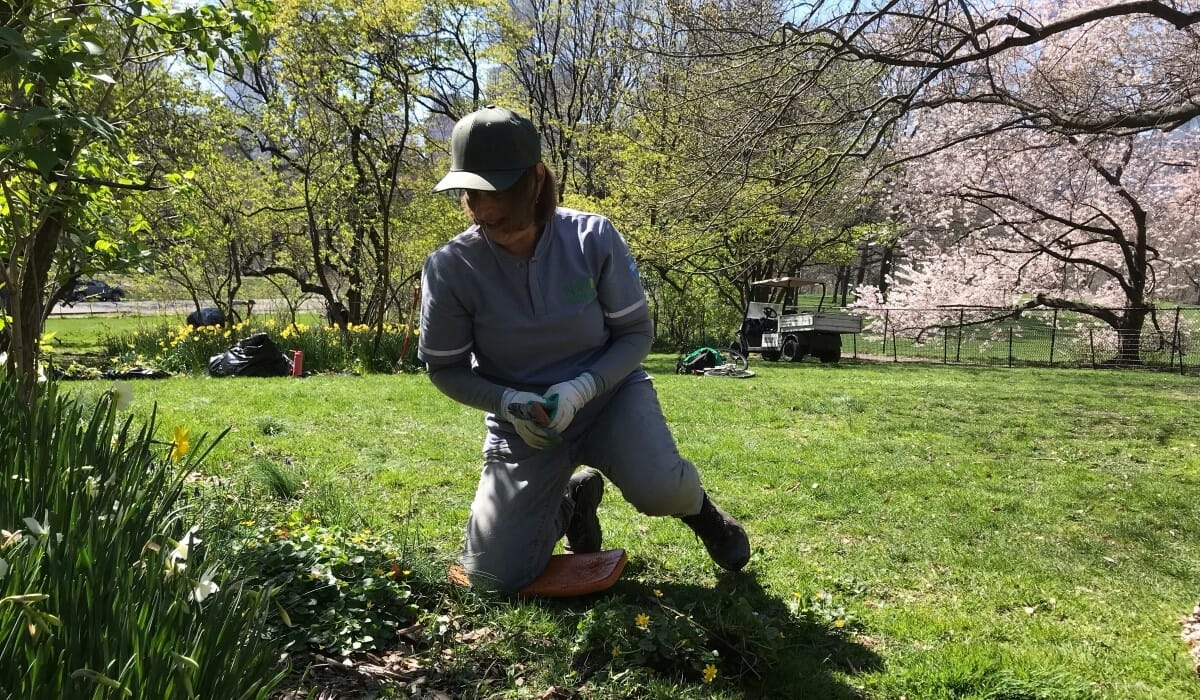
723	537
586	488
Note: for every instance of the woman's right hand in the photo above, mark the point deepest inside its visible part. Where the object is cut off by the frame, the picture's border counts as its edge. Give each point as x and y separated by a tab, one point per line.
527	413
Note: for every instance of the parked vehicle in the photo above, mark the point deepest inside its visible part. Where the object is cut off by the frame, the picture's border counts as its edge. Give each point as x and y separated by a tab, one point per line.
774	325
94	290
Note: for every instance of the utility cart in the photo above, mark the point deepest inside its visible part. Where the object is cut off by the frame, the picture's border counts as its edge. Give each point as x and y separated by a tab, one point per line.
775	326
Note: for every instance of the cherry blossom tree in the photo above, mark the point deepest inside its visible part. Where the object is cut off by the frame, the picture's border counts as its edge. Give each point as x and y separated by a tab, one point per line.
1048	158
1102	225
1074	66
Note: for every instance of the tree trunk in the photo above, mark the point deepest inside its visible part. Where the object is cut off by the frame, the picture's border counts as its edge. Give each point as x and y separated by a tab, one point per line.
26	304
885	268
1129	334
841	284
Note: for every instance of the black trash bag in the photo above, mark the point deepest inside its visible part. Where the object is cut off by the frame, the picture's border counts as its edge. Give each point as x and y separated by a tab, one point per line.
256	356
208	316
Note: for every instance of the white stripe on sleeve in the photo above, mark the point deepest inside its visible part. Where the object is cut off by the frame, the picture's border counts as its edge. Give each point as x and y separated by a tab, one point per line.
625	311
446	353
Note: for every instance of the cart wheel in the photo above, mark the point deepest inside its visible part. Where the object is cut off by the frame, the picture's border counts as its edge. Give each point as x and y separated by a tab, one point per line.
790	352
771	355
831	355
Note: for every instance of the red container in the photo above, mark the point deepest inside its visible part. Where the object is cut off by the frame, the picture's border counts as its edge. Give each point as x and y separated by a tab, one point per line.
297	363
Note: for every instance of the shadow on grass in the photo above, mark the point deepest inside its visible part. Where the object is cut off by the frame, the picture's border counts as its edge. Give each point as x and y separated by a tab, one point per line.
811	652
765	649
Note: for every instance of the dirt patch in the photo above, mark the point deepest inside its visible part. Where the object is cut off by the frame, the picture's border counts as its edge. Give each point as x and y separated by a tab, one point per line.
1191	635
453	662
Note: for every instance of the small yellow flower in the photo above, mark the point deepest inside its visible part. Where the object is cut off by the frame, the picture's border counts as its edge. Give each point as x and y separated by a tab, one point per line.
710	672
839	623
179	443
642	620
657	593
616	651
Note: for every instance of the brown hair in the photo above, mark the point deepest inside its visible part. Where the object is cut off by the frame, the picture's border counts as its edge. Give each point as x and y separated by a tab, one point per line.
547	199
545	202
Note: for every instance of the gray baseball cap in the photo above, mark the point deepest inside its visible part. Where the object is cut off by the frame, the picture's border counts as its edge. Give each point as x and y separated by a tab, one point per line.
490	149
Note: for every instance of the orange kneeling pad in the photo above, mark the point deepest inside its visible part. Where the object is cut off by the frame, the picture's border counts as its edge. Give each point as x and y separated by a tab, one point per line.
567	575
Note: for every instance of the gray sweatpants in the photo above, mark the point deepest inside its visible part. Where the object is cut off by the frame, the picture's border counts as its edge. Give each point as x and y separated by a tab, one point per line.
519	511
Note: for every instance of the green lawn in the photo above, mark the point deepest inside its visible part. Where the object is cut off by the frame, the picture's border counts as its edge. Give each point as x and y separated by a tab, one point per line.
82	334
952	532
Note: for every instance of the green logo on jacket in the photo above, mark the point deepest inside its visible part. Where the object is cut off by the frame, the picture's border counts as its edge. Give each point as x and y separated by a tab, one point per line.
580	291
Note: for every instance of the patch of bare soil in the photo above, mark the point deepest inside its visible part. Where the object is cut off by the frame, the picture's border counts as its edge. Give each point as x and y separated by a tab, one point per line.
421	665
412	668
1191	635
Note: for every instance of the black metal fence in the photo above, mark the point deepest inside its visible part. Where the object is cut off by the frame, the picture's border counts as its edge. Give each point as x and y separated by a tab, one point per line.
1169	339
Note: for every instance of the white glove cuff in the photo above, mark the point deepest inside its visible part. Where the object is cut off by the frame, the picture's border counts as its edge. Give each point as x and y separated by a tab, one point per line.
586	384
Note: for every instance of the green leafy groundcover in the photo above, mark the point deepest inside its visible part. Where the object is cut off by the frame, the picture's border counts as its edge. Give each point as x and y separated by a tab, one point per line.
332	590
103	590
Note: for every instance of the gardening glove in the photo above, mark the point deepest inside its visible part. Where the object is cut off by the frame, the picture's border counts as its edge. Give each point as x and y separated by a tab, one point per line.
566	398
527	413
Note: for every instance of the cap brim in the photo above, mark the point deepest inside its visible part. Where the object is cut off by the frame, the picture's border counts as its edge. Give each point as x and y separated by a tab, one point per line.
490	181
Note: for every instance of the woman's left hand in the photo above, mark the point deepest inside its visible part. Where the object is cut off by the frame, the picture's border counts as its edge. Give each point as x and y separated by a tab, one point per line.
566	398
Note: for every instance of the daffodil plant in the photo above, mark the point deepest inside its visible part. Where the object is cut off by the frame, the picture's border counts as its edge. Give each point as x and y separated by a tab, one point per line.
104	589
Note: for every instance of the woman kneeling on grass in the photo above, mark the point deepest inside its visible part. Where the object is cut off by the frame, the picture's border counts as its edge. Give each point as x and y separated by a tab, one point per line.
536	314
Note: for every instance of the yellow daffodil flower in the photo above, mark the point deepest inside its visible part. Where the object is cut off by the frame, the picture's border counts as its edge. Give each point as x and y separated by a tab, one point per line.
179	443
